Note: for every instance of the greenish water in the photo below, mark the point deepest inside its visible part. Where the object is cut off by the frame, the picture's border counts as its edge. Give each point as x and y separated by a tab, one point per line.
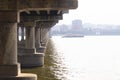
45	72
88	58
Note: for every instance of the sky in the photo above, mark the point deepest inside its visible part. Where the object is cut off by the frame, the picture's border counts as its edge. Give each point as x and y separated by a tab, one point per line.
95	12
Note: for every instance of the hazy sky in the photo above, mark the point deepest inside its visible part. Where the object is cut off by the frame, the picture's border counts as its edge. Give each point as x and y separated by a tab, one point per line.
95	11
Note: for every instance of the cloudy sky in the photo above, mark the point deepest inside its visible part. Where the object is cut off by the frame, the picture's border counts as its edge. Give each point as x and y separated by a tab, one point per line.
95	11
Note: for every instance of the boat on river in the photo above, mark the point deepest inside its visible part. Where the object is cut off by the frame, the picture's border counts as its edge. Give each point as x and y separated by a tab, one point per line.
72	35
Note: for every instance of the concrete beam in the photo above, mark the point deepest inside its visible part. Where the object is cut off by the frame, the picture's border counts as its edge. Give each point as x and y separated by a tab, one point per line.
39	17
38	4
46	24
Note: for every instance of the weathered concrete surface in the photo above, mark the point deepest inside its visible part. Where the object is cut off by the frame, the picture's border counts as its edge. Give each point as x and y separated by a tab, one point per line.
41	49
39	17
9	17
44	30
46	34
9	67
8	43
22	76
37	4
26	51
31	60
30	35
27	56
9	70
37	37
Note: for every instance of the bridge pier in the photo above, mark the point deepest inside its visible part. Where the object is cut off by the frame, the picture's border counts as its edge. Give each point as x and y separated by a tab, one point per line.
37	37
27	56
45	27
39	47
30	36
9	67
43	36
31	11
46	34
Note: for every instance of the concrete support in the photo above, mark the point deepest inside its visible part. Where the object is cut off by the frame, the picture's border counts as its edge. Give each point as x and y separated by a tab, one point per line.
28	56
30	35
8	44
44	29
46	32
9	68
38	46
37	37
9	17
44	36
30	40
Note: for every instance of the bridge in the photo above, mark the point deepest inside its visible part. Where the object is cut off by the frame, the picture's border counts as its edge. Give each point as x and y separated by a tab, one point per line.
34	18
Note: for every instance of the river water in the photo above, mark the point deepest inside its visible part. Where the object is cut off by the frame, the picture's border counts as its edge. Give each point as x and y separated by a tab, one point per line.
87	58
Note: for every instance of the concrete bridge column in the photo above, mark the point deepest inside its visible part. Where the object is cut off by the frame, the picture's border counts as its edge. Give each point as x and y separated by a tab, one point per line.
28	56
30	36
44	36
45	27
9	67
41	34
39	48
8	51
37	37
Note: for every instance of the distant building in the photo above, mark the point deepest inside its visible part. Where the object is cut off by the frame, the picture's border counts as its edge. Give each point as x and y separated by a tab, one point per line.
77	26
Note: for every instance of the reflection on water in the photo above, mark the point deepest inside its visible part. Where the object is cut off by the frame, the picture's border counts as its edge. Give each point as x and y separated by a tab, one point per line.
88	58
46	72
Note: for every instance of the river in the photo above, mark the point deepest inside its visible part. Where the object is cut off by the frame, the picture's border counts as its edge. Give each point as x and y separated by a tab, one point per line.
87	58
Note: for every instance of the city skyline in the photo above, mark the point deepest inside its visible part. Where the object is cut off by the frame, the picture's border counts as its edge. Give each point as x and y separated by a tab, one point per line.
87	29
95	11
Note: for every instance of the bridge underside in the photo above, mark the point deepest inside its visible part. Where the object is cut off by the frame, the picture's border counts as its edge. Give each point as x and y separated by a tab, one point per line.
34	18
